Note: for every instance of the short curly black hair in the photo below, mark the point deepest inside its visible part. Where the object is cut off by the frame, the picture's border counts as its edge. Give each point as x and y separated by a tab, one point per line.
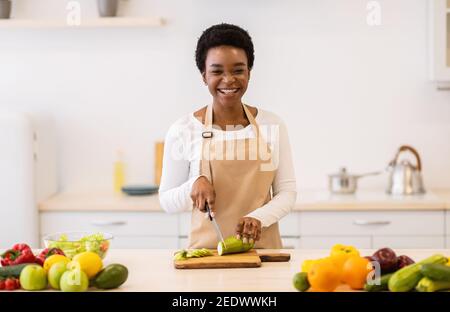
223	34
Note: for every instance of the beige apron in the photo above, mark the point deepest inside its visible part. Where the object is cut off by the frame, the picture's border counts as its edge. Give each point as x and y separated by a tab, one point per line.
240	185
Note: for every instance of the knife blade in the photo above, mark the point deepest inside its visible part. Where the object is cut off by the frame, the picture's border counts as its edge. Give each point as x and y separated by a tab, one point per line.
214	222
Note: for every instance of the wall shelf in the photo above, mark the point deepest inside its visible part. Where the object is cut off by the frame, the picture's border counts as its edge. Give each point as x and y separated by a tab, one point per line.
104	22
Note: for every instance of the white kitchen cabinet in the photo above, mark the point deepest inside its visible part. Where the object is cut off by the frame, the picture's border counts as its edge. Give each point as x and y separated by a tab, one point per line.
372	223
326	242
372	229
300	229
137	242
404	242
439	33
447	222
130	229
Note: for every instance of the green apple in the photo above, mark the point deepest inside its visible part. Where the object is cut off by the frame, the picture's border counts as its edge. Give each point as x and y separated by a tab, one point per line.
74	280
33	277
55	273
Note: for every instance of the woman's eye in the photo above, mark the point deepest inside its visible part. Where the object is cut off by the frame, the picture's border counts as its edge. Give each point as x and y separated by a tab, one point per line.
239	71
217	72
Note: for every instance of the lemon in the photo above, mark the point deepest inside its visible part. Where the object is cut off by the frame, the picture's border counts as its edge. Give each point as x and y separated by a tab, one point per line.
90	263
54	259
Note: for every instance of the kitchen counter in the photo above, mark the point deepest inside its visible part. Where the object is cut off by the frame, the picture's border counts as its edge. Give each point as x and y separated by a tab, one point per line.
308	200
152	270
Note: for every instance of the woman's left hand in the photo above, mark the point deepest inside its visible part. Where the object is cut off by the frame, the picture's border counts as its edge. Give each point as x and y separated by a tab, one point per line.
249	229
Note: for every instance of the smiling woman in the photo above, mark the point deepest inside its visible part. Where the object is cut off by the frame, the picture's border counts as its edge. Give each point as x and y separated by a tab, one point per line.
228	156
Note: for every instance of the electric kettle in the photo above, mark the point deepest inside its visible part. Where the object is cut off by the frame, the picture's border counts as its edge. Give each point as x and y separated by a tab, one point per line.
405	178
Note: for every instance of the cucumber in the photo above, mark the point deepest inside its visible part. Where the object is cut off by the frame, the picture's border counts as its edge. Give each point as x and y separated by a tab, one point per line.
191	253
384	280
12	270
233	245
426	284
437	272
407	278
112	276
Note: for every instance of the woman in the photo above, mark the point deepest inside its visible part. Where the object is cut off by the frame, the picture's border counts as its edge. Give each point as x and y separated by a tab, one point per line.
228	156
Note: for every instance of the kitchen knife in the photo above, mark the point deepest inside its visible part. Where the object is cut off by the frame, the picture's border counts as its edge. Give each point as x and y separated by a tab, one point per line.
216	226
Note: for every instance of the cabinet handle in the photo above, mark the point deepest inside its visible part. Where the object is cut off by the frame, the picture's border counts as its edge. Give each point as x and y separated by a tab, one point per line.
108	223
365	222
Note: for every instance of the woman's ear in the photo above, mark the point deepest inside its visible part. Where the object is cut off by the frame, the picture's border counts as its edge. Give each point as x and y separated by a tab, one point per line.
204	78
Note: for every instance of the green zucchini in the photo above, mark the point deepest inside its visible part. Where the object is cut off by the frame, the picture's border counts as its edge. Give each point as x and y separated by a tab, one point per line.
437	272
191	253
384	280
428	285
12	270
233	245
407	278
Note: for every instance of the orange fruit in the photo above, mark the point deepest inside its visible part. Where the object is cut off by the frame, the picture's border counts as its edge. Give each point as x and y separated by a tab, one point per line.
324	275
355	271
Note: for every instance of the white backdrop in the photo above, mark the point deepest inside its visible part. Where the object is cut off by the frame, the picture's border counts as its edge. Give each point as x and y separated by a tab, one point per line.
350	93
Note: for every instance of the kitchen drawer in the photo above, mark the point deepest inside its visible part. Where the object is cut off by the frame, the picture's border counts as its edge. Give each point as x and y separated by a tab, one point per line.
290	242
414	242
372	223
116	223
143	242
447	222
289	225
184	223
326	242
183	242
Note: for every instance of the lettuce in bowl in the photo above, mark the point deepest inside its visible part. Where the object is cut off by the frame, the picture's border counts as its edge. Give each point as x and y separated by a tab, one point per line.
73	243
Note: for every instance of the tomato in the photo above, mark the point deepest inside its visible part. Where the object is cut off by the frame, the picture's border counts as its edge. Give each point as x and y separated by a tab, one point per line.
2	284
10	284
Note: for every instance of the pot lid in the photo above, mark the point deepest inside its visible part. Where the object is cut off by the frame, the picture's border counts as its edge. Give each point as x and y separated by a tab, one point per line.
343	173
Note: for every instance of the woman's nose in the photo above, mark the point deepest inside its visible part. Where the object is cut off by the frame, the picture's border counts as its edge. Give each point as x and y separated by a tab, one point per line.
228	78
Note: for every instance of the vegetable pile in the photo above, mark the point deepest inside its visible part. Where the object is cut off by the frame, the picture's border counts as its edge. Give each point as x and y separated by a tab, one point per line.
381	271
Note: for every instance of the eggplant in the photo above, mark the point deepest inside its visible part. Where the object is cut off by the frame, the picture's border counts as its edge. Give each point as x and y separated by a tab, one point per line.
387	259
403	261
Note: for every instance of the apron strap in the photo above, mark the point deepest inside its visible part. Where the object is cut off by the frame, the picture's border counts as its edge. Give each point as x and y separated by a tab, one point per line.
205	167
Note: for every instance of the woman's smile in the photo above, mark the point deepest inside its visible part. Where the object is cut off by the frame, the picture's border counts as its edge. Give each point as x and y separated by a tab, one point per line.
228	91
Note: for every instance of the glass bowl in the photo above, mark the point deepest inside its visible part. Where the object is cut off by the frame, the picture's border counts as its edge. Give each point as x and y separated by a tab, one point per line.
73	243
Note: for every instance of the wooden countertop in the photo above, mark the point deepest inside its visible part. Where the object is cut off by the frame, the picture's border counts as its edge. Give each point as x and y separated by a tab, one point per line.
307	200
152	270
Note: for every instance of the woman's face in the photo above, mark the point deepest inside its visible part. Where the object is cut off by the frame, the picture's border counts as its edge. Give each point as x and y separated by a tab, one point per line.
226	74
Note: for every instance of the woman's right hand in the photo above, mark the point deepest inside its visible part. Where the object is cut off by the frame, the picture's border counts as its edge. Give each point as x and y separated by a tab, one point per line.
203	192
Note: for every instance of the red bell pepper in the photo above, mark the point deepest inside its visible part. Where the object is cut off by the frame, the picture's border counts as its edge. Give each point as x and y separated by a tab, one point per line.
47	252
19	253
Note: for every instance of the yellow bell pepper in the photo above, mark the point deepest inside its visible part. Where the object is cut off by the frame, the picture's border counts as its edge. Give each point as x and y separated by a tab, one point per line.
340	253
448	261
307	264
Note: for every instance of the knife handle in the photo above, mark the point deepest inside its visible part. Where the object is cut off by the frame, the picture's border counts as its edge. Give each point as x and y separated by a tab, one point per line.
208	211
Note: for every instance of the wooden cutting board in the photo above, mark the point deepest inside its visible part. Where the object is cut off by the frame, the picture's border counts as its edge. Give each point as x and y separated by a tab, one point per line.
249	259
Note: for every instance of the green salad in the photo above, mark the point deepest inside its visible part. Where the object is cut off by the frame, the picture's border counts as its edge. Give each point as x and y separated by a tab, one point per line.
95	242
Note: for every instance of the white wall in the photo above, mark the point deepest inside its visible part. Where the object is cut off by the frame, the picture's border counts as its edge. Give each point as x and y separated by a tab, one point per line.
349	93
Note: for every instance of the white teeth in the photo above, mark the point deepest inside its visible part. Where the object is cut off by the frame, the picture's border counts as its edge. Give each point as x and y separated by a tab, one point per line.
228	90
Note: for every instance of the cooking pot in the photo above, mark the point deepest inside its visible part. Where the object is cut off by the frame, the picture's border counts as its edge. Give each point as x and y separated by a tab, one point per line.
345	183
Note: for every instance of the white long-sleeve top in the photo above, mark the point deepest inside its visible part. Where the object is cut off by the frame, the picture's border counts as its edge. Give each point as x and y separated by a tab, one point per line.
181	164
